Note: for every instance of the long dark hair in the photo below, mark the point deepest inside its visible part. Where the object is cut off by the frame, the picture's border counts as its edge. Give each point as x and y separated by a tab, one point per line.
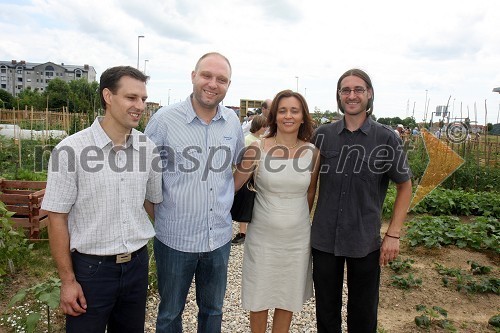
363	76
306	128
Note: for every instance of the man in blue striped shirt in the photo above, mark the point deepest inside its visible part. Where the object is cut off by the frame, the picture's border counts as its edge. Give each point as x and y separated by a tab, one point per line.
199	142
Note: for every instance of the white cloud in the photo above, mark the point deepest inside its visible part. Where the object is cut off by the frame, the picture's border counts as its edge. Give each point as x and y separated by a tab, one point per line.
445	47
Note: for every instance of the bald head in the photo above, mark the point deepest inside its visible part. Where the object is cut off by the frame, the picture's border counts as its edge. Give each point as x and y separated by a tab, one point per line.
266	106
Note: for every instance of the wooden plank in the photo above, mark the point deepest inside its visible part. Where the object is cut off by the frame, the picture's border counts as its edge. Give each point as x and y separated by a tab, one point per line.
21	184
19	210
21	222
14	199
22	192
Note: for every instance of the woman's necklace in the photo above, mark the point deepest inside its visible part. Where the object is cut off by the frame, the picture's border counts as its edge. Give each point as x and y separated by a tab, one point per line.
279	144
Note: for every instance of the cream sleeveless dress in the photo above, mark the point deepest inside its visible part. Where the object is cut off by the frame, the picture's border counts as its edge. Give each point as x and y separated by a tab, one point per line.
277	269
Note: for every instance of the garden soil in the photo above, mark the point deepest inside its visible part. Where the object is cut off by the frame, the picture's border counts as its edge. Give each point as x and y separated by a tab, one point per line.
469	312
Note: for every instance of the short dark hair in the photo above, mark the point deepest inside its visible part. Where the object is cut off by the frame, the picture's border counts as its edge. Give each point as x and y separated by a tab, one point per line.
111	76
264	105
363	76
305	130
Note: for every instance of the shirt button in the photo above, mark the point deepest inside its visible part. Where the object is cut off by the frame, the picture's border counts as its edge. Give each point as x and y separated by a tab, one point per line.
343	193
345	174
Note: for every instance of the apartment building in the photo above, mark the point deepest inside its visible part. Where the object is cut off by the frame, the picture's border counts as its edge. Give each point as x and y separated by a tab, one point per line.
18	75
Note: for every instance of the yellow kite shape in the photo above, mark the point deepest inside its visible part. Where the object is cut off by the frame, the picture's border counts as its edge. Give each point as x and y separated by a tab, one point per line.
443	161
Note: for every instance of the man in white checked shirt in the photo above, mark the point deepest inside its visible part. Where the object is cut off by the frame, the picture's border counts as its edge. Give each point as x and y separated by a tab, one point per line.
199	141
102	184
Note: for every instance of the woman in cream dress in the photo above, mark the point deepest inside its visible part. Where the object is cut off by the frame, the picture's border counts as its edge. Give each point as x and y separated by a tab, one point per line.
277	254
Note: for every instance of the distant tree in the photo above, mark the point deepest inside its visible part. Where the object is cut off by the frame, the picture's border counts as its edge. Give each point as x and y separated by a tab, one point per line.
489	127
385	121
409	122
28	98
336	114
7	99
84	96
58	93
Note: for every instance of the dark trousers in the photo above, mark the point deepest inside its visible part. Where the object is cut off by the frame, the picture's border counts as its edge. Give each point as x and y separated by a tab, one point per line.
115	293
363	279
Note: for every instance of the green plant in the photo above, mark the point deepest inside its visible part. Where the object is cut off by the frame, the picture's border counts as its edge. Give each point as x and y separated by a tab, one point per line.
495	321
400	266
388	204
477	268
14	246
466	282
443	201
46	294
482	233
405	283
435	316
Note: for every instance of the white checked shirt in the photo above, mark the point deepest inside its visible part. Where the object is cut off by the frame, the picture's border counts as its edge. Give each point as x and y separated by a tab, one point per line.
103	190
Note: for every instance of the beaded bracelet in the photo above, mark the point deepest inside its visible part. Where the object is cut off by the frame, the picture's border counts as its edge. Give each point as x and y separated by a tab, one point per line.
391	236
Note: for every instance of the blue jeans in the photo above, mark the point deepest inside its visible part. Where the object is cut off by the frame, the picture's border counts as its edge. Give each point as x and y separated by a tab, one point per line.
175	273
115	293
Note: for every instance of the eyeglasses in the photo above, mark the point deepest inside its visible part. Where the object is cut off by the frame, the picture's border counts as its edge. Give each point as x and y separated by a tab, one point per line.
347	91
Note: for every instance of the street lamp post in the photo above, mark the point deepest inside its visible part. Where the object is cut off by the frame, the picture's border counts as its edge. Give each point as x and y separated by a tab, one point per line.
145	61
297	78
138	39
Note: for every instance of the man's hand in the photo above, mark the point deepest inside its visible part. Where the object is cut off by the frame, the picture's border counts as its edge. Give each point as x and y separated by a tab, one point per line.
73	301
389	250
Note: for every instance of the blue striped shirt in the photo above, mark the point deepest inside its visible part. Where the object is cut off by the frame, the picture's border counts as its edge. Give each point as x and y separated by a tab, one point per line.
198	187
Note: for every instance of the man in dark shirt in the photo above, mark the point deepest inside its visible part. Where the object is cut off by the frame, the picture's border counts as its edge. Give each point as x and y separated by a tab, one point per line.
358	158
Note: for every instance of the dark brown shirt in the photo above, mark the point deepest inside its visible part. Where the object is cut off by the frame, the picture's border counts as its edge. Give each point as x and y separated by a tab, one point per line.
355	171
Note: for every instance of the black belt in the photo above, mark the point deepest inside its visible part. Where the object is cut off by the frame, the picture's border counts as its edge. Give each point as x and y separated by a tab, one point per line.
117	258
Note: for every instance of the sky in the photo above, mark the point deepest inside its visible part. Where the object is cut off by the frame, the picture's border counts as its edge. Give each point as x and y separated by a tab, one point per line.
419	54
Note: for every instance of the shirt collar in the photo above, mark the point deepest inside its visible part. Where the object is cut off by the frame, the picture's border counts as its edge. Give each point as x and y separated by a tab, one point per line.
191	114
365	128
102	139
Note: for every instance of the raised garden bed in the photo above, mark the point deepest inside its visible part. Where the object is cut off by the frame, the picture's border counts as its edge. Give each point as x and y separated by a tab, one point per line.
24	198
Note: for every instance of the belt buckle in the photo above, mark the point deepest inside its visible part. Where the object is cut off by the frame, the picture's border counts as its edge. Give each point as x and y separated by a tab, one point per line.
124	257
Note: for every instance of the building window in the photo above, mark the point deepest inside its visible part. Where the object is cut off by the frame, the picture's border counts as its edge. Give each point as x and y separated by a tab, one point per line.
28	73
19	79
49	73
78	73
28	80
3	69
4	86
4	78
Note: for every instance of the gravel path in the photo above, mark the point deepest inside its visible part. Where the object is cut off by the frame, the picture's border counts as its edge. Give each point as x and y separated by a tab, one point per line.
235	319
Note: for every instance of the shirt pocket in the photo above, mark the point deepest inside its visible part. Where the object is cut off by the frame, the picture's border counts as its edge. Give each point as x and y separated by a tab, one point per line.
330	161
368	169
